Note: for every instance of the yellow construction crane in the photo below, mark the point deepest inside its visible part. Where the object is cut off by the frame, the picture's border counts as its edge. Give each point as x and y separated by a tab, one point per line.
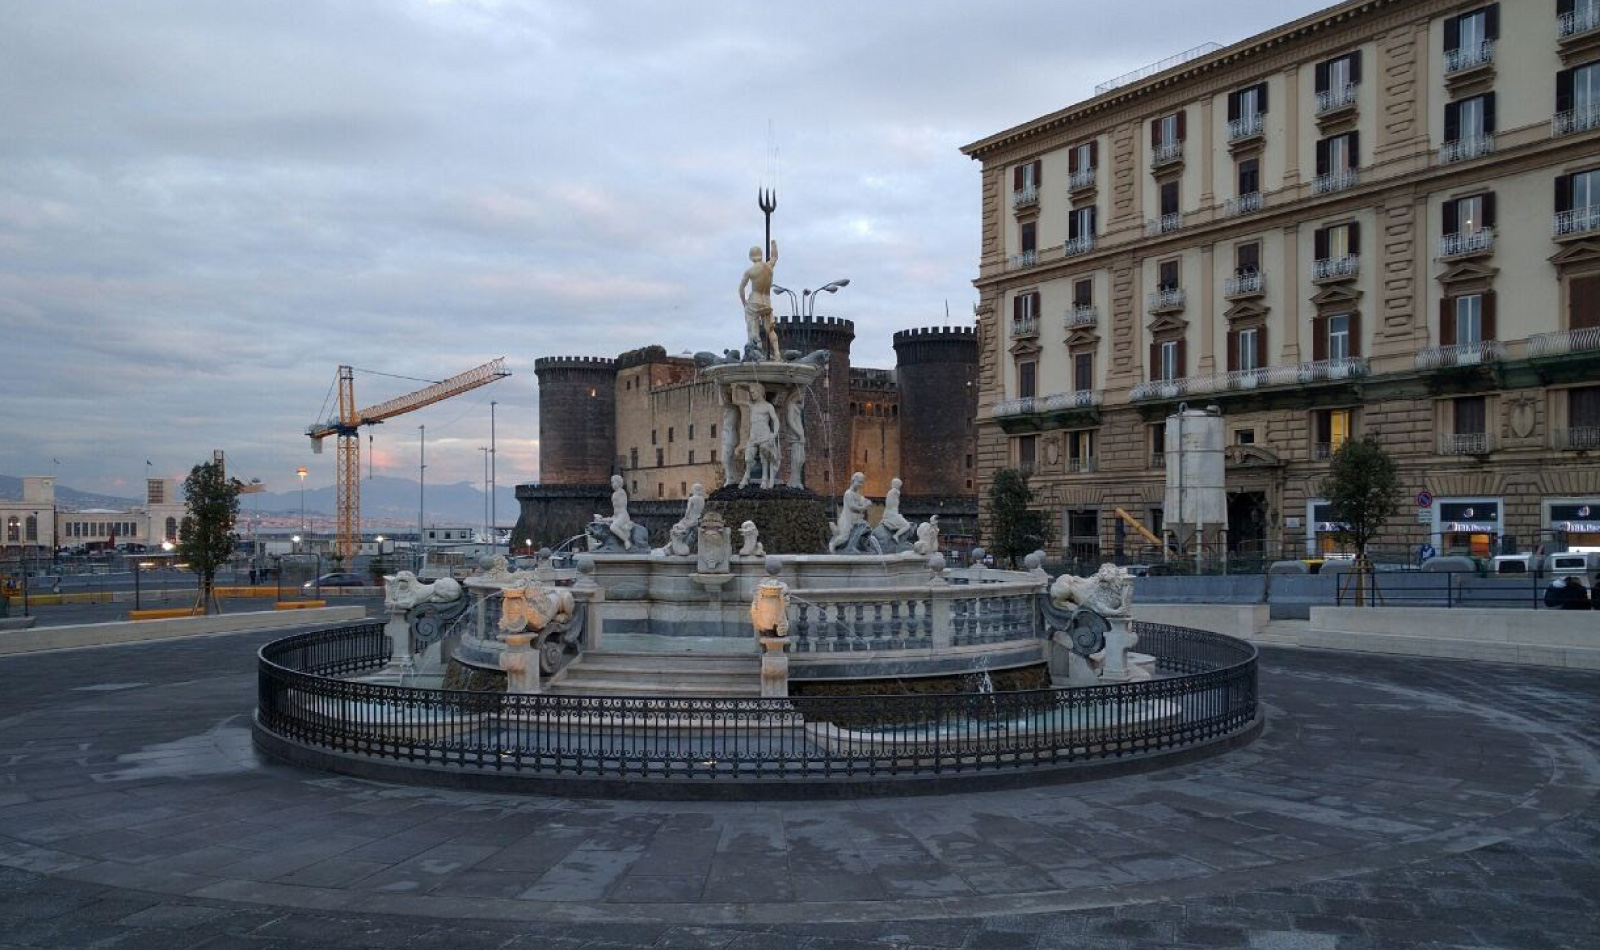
347	426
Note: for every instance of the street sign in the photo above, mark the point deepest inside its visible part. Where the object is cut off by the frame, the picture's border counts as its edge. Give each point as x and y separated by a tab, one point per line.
1424	499
1425	552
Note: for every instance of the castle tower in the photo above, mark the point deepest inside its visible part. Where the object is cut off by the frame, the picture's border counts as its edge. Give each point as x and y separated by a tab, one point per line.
937	369
577	419
828	433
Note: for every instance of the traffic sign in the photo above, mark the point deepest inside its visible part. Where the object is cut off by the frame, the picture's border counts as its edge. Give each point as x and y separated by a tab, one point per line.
1424	499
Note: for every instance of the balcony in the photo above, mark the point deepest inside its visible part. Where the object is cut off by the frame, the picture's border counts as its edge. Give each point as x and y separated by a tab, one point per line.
1167	300
1078	245
1083	179
1165	224
1167	153
1019	261
1576	221
1466	147
1080	465
1023	328
1298	375
1081	315
1335	268
1323	451
1468	57
1334	100
1244	204
1158	460
1334	182
1245	128
1564	342
1055	403
1245	285
1575	120
1466	443
1578	23
1578	439
1460	354
1024	198
1469	244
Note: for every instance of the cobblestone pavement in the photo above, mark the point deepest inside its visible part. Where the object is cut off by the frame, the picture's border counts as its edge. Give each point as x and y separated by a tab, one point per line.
1391	802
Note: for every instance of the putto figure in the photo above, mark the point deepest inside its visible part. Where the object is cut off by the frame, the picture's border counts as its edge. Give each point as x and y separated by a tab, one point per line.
851	525
762	336
621	524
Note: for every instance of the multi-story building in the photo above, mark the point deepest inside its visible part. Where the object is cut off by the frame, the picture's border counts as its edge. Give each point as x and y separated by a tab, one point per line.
1381	219
37	525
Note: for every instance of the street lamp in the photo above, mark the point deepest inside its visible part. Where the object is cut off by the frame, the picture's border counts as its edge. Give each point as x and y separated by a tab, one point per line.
293	537
301	471
832	287
794	302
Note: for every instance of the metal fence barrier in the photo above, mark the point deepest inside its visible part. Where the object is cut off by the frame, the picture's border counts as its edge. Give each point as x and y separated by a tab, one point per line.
1206	692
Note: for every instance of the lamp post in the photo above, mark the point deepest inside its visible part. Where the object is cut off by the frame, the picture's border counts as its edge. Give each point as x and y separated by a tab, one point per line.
485	450
794	302
493	481
422	490
832	287
301	471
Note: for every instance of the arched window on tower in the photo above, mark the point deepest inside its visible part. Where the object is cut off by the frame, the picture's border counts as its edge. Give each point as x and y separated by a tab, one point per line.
172	529
13	530
31	527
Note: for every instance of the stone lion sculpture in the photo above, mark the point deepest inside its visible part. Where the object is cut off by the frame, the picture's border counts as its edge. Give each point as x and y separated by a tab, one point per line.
403	591
1108	591
527	605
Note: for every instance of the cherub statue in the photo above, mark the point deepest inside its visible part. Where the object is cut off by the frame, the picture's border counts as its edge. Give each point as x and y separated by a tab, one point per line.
927	537
752	541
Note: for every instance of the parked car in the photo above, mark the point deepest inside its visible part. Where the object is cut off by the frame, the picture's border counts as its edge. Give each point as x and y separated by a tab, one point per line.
340	579
1516	563
1578	565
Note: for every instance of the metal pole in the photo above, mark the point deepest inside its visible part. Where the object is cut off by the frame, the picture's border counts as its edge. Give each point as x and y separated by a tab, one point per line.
494	482
422	488
485	450
136	603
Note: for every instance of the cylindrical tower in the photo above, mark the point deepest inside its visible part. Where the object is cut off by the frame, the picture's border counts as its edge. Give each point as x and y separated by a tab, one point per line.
937	369
577	419
828	450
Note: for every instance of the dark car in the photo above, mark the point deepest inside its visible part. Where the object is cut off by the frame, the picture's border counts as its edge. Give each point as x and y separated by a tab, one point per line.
344	579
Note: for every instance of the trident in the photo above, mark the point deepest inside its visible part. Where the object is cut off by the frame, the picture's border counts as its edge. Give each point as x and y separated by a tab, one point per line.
767	201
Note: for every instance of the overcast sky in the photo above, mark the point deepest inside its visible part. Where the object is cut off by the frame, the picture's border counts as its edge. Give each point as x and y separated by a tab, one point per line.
205	207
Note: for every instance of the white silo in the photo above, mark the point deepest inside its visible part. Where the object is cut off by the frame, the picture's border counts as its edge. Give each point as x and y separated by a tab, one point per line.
1196	504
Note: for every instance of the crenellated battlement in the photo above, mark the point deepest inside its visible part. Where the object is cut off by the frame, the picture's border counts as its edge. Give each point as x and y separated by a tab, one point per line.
937	333
593	363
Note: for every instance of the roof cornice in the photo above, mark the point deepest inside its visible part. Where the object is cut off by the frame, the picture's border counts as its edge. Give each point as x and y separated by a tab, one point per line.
1261	43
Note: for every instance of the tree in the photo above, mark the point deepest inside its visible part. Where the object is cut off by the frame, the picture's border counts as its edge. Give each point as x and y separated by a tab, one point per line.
1363	490
207	540
1015	529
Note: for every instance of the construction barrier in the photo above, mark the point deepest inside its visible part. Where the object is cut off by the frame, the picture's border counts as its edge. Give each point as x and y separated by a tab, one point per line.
299	604
164	614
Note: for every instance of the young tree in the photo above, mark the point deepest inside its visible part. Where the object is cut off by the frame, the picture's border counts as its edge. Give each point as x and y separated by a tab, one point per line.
1363	489
1015	529
207	540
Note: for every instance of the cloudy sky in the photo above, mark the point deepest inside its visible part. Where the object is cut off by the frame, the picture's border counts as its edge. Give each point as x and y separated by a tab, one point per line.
206	206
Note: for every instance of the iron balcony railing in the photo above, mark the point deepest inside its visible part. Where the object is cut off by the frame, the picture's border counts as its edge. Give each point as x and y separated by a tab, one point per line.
1055	402
1082	315
1576	221
1158	460
1078	245
1299	374
1244	127
1577	438
1322	451
1329	268
1466	147
1563	342
1460	354
1463	243
1245	285
1163	225
1166	153
1334	181
1025	259
1466	443
1081	465
1024	197
1244	204
1081	179
1024	327
1331	99
1575	120
1578	22
1468	56
1169	299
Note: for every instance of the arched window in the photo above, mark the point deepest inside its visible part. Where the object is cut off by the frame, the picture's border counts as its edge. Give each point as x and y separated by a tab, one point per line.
32	527
172	529
13	530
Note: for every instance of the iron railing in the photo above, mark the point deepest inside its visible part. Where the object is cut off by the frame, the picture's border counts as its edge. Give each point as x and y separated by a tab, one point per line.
1025	197
1460	354
1332	268
1463	243
1245	285
1577	221
1166	153
1562	342
1081	315
1577	22
1165	224
1022	327
1081	179
1170	298
1468	56
1575	120
1055	402
1334	181
1331	99
1298	374
1078	245
1466	443
1244	127
1205	691
1468	146
1025	259
1246	203
1577	438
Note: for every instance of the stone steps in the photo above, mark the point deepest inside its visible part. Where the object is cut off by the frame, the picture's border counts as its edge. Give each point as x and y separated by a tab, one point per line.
615	673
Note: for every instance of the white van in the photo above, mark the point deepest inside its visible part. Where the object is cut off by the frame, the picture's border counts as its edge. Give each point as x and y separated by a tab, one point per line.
1516	563
1584	567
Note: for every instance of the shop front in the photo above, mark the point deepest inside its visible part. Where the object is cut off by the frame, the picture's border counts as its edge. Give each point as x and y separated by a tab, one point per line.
1573	523
1322	537
1469	526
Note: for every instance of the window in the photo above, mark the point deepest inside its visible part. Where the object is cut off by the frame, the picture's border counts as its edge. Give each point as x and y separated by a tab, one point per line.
1583	408
1471	415
1025	177
1027	379
713	430
1337	241
172	529
1030	237
636	486
1024	308
670	435
1082	372
1247	259
1168	274
31	527
1083	292
969	461
1339	337
1469	119
1083	534
1333	428
1167	130
1081	161
1080	451
691	456
1578	202
1469	215
1169	197
1334	75
1244	437
1467	319
661	489
1247	103
1169	361
652	437
1583	302
633	457
691	432
14	530
1578	92
661	457
1249	176
1158	448
1027	452
683	489
1465	35
1081	223
1249	355
1338	154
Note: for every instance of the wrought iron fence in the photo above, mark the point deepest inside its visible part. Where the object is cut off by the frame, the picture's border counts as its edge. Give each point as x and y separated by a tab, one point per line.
1206	691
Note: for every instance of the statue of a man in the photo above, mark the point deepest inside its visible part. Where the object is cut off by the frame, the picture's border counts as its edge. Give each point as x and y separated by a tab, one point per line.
762	440
853	507
893	521
759	330
621	525
794	418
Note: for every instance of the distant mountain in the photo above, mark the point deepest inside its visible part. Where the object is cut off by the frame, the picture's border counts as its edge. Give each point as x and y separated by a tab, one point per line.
385	496
11	489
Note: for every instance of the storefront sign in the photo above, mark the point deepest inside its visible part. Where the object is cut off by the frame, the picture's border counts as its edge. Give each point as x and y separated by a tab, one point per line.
1581	518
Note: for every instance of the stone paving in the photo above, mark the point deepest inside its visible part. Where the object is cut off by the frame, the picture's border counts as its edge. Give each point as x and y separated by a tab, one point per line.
1391	802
